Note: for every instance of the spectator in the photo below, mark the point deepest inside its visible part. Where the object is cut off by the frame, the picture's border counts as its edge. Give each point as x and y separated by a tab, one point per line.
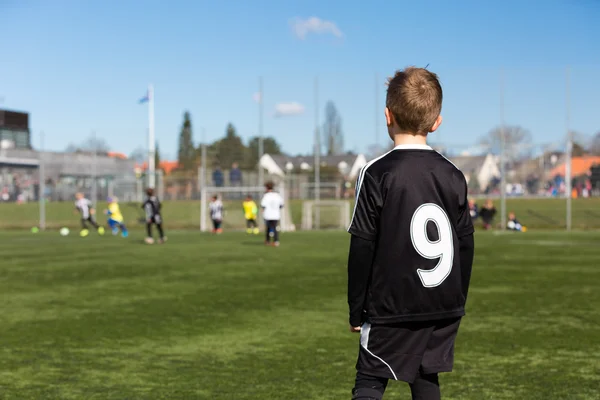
513	224
235	175
473	210
487	213
217	177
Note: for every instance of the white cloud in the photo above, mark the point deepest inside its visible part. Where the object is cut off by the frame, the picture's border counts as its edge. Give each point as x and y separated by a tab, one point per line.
289	108
256	97
302	27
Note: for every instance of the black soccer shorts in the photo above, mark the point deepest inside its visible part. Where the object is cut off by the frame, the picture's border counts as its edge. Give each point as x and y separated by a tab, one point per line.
400	351
156	219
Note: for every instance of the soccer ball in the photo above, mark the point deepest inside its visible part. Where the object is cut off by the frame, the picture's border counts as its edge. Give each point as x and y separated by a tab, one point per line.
64	231
149	240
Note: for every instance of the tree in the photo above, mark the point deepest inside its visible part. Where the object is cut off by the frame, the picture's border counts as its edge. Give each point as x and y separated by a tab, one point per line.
595	144
516	144
187	153
230	149
333	137
270	146
89	145
140	155
578	150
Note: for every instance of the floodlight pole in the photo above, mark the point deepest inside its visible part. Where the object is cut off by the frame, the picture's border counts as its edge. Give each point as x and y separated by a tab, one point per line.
261	148
94	191
151	142
502	155
203	181
42	189
569	155
377	110
317	156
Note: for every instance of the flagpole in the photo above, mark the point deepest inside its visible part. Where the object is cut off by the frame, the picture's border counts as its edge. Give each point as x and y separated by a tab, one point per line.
151	141
261	148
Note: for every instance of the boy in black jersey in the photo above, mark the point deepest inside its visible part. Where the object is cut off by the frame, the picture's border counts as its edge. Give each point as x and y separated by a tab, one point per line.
411	249
152	208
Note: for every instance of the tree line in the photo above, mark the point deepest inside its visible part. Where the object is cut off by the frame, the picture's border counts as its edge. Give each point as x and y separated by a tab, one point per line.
229	149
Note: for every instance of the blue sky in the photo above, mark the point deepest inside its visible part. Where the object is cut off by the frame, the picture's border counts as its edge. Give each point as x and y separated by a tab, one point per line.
79	66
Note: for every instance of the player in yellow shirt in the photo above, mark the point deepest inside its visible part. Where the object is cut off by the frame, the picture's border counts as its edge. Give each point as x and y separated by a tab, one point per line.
250	212
115	218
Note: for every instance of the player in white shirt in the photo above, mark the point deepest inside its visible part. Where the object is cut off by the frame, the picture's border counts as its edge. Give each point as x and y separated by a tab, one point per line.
271	205
87	211
216	214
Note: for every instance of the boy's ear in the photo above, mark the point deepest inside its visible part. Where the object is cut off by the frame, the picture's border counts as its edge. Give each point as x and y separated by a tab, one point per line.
436	124
389	117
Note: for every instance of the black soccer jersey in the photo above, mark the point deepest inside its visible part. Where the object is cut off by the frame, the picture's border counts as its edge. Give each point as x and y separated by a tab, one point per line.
152	207
412	204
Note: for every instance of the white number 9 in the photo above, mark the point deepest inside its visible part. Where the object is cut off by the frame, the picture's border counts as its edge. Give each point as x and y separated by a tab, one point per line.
443	248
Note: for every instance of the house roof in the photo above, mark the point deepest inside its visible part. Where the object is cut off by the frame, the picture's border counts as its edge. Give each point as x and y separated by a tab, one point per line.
166	166
579	166
468	164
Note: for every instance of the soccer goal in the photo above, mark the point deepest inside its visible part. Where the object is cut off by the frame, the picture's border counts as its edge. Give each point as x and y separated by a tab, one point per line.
232	198
333	214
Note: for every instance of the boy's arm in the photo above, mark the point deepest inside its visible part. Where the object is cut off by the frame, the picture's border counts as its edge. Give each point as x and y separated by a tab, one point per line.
466	246
466	241
364	229
360	259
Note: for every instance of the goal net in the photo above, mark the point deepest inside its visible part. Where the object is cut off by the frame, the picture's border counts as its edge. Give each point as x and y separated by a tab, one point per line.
232	198
325	214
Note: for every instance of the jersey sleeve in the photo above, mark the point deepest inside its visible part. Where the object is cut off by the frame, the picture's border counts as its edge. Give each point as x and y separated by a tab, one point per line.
367	209
464	225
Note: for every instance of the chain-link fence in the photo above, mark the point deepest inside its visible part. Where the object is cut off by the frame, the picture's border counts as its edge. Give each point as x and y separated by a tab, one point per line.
526	138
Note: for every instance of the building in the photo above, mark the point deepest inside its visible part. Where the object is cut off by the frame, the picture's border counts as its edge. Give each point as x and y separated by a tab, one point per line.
348	165
64	173
481	168
14	130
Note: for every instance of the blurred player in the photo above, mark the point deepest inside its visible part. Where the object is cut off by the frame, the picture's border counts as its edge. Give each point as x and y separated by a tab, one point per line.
216	214
487	214
152	207
87	211
115	218
271	204
513	224
473	210
250	213
411	250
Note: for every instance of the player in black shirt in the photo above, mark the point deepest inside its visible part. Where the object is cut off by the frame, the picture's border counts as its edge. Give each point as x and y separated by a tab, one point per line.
411	249
152	208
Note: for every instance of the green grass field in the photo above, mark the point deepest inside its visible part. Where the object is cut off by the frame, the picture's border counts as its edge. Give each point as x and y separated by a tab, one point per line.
540	214
206	317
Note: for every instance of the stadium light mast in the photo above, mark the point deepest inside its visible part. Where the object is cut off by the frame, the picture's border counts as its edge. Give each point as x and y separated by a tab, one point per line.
569	155
502	155
151	142
377	110
203	180
94	192
317	157
261	148
42	186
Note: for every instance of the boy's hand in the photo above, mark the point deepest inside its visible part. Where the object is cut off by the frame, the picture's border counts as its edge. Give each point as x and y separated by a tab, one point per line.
354	329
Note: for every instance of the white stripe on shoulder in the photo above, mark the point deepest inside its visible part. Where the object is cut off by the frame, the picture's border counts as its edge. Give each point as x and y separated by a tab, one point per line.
359	182
447	159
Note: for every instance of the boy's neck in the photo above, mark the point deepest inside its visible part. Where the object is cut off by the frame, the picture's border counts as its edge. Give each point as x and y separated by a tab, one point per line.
409	138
